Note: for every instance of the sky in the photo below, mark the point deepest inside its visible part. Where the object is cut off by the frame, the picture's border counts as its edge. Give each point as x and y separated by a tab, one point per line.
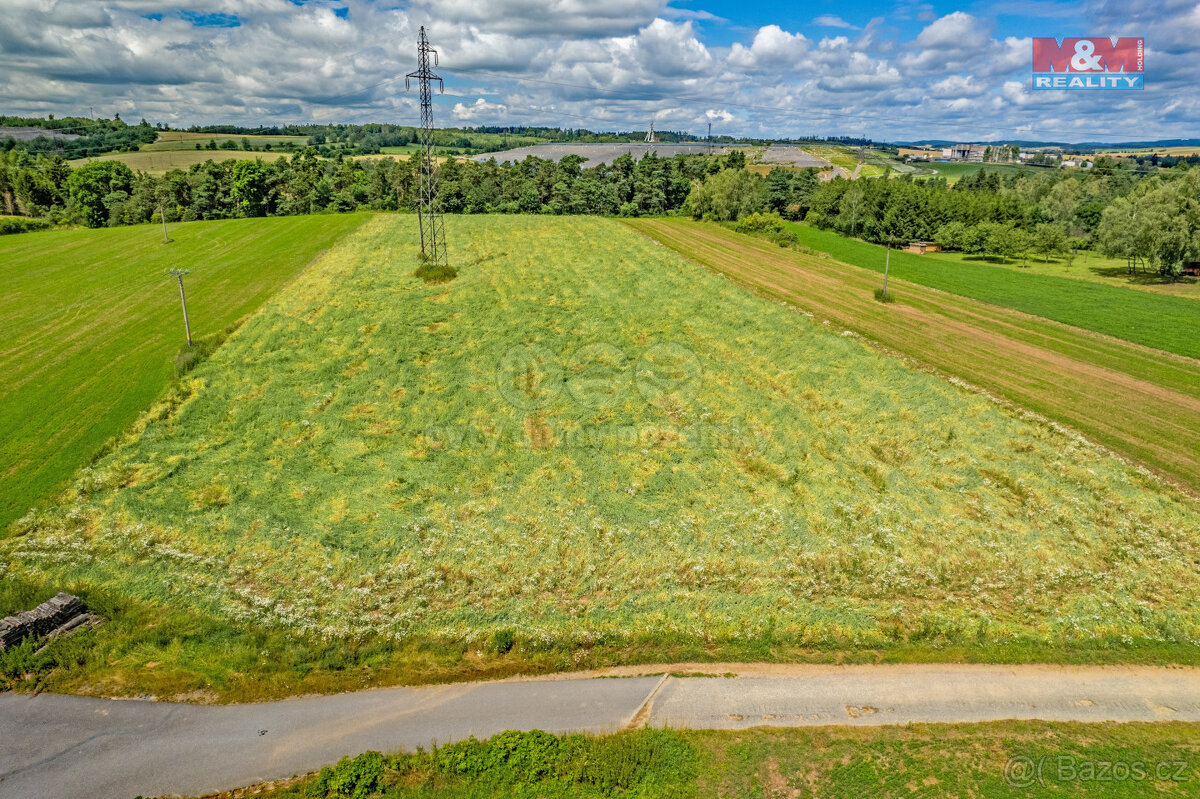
885	70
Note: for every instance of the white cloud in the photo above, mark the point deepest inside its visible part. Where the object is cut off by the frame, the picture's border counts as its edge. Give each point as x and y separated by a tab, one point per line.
953	32
580	63
773	49
481	108
833	21
957	86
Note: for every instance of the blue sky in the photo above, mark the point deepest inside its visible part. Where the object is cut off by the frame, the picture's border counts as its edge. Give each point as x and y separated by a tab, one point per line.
898	70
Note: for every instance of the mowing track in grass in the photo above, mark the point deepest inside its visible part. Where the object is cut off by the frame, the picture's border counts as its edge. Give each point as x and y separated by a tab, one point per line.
1163	322
1140	402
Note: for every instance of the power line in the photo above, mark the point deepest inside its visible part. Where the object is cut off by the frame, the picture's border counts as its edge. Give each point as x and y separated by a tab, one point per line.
429	214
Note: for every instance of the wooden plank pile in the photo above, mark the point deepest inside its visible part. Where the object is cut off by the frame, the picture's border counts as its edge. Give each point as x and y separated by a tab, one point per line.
60	614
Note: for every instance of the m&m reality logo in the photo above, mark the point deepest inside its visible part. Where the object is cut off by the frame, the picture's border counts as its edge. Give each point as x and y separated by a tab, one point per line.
1096	62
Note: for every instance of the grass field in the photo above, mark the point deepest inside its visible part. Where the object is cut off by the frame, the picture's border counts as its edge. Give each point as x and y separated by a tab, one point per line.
845	157
1089	266
923	761
954	171
158	162
1141	402
183	140
1166	323
376	480
89	327
1177	151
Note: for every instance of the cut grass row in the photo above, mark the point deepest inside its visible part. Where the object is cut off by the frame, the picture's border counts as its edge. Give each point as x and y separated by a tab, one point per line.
379	480
89	325
1166	323
1141	403
1014	758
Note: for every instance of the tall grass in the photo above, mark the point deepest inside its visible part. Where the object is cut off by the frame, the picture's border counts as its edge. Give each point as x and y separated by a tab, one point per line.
584	445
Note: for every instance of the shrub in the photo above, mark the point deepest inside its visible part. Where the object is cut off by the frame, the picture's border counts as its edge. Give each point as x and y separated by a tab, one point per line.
884	296
614	764
759	222
351	778
21	224
784	238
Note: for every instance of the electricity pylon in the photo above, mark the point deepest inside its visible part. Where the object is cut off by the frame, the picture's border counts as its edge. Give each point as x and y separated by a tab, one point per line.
429	213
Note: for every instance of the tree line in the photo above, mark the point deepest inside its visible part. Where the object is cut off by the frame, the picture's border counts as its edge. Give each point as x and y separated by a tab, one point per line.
107	192
1153	221
75	137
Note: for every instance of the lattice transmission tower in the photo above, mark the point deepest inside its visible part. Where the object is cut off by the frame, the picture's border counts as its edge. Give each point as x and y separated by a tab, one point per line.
429	212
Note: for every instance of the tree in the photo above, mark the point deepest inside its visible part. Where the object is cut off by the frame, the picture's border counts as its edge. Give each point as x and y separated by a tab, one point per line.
249	188
727	195
951	236
851	207
1050	239
1061	203
92	183
1008	241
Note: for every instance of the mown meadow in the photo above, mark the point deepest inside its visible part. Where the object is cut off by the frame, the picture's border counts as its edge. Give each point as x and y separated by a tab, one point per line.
1168	323
90	326
585	449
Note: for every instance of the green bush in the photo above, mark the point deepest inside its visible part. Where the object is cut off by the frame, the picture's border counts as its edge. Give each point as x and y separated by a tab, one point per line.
352	778
759	222
21	224
884	296
613	765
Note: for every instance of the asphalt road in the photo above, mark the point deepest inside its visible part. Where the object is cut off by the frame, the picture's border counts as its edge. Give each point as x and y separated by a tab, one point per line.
61	747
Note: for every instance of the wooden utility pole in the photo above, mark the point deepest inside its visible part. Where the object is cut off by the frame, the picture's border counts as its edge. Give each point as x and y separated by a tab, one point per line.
886	263
178	274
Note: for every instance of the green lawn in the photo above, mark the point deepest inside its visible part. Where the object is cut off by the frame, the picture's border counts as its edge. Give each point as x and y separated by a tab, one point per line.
1089	266
1167	323
954	171
926	761
585	449
89	325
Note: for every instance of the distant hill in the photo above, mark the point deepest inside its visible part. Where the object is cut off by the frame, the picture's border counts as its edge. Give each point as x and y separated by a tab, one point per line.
1087	145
